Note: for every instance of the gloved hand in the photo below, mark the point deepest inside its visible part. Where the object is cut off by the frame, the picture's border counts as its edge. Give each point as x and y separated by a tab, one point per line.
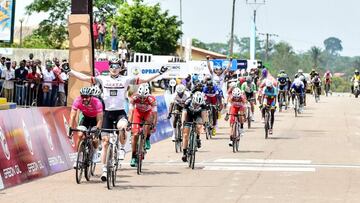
153	130
163	69
169	116
128	128
66	68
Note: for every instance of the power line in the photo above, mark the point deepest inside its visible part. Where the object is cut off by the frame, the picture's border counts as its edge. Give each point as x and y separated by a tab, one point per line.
268	35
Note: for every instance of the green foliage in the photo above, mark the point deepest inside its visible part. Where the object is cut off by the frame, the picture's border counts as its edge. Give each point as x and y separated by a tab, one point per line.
340	85
148	29
199	44
333	45
315	53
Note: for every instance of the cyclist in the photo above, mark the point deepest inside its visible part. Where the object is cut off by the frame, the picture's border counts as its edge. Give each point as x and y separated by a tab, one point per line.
249	88
213	97
283	84
316	83
198	87
237	101
178	104
194	111
312	73
114	88
142	107
92	110
269	99
298	87
218	74
328	80
187	82
355	78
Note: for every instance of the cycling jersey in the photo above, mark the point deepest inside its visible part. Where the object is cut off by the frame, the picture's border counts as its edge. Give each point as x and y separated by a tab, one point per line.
92	110
212	95
283	79
114	90
218	80
316	80
248	88
270	95
193	111
180	100
356	77
143	105
300	89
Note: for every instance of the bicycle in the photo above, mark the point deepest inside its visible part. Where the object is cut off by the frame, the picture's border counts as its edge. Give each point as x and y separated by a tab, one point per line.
192	146
178	132
213	109
282	100
296	104
84	163
236	136
267	120
316	93
327	88
140	146
111	160
248	108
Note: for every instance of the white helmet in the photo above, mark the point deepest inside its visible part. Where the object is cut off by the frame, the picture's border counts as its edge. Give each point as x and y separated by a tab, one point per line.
143	90
198	98
297	82
300	71
236	92
95	91
180	88
268	83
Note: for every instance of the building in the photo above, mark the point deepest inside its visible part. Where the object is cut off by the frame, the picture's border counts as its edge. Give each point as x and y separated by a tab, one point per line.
200	54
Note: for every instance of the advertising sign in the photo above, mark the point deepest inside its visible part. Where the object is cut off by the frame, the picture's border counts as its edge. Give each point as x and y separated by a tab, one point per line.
163	128
7	12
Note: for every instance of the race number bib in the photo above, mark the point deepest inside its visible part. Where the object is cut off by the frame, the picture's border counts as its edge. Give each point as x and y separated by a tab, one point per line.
113	93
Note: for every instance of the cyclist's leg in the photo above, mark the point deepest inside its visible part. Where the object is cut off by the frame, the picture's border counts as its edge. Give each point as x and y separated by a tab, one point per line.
186	130
121	124
273	105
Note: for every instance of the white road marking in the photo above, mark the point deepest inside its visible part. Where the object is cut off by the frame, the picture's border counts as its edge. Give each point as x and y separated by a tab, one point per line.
266	161
246	168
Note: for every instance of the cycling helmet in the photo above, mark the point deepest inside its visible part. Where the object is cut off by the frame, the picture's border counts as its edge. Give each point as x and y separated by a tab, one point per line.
198	98
268	83
180	88
327	72
356	71
313	70
207	78
143	91
195	78
114	60
232	84
302	78
236	92
95	91
264	73
282	71
300	71
86	91
297	82
209	83
242	80
248	79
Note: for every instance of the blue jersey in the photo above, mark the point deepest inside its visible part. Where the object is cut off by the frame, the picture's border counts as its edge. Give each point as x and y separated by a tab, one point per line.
300	89
215	92
270	92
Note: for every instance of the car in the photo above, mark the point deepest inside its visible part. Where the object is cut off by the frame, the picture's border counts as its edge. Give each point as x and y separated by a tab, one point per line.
308	82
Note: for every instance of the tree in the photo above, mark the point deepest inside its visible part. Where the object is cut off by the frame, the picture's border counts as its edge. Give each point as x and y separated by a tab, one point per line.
148	29
199	44
333	45
315	53
53	30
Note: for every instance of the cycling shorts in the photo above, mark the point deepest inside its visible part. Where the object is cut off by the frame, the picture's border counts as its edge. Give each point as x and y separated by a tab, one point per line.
111	118
283	87
88	122
139	117
193	117
270	101
249	96
211	100
235	110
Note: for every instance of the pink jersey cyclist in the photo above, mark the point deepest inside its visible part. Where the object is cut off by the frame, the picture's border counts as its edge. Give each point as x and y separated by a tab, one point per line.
91	110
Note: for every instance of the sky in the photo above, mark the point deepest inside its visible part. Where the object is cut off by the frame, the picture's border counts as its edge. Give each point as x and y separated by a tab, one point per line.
302	23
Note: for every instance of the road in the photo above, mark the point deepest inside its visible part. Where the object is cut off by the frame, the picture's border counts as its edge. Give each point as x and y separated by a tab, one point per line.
312	158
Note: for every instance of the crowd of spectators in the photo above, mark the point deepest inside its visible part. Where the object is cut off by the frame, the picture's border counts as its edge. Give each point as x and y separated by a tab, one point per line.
30	83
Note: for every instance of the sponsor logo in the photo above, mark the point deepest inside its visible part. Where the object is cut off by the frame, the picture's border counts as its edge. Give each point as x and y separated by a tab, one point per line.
149	71
4	144
136	71
27	138
67	128
48	135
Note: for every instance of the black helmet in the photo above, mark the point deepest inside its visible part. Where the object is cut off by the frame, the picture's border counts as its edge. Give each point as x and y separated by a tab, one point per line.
209	83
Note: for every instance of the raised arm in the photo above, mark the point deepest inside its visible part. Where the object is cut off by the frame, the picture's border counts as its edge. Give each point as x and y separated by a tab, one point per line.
162	71
82	76
228	67
208	64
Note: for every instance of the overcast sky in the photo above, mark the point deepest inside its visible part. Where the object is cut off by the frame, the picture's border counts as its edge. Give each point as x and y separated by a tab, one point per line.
302	23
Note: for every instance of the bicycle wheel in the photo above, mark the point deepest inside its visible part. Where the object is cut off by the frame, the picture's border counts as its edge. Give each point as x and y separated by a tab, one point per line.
249	117
194	145
179	137
87	164
177	146
93	166
115	164
238	137
211	121
281	100
266	125
140	153
79	161
190	148
296	106
109	166
234	136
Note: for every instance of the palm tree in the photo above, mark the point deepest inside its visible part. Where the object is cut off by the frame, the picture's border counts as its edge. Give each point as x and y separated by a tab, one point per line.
315	53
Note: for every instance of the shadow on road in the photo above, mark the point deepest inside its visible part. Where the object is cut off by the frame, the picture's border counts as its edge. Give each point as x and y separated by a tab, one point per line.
146	172
251	151
282	138
131	187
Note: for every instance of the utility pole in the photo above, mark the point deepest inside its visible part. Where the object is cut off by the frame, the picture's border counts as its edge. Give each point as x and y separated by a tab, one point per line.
255	4
268	35
232	29
181	39
21	32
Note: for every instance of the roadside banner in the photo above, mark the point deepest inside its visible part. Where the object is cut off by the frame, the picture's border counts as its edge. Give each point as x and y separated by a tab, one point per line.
163	128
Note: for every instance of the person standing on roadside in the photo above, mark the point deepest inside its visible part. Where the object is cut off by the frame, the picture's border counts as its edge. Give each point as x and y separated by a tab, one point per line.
9	75
114	38
20	76
48	77
102	31
55	86
95	33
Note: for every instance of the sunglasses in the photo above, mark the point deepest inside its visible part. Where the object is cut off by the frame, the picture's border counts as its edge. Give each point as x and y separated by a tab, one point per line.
114	66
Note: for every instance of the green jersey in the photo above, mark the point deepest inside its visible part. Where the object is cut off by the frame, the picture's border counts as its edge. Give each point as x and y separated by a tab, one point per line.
248	88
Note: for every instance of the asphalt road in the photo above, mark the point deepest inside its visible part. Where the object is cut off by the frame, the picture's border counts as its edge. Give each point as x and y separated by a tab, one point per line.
312	158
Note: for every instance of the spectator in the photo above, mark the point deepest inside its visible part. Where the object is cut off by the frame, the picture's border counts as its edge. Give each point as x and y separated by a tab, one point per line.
2	68
55	86
20	76
39	68
9	75
114	38
34	79
28	65
14	65
95	33
102	31
123	43
123	53
61	101
31	56
48	77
